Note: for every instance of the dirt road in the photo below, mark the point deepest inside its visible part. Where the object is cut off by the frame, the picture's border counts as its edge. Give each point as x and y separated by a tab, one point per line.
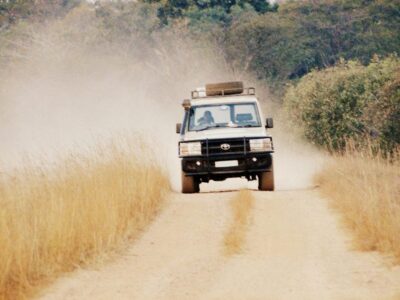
295	249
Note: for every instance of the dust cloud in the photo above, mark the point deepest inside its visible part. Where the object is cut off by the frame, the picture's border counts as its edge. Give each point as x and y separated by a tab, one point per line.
64	96
296	162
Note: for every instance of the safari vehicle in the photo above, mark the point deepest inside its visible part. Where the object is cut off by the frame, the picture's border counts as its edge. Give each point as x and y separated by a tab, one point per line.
224	135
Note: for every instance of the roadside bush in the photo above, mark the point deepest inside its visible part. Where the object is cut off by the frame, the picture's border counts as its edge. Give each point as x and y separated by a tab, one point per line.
349	101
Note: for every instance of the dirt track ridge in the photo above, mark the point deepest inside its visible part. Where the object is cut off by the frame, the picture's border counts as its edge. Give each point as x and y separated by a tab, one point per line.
295	249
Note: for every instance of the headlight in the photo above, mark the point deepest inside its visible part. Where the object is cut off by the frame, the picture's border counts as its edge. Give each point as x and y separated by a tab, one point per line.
193	148
257	145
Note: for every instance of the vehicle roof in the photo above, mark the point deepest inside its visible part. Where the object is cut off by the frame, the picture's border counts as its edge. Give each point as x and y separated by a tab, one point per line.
224	100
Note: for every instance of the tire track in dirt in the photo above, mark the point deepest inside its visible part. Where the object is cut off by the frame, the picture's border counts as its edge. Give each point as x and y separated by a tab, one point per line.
295	250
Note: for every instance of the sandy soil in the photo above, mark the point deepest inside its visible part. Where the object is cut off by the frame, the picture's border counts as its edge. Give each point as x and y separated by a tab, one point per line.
295	249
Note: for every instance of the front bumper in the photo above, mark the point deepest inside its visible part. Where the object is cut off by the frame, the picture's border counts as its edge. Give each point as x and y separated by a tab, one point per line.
248	163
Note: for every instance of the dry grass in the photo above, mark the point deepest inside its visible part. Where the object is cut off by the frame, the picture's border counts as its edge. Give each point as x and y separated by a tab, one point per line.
366	190
52	220
241	206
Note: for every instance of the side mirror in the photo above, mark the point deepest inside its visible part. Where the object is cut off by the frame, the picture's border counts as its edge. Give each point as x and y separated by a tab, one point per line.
269	123
178	127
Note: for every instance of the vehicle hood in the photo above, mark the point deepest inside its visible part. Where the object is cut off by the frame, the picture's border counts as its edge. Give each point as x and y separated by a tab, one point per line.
221	133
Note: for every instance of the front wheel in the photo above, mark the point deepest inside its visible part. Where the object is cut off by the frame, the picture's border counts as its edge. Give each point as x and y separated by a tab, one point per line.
190	184
266	180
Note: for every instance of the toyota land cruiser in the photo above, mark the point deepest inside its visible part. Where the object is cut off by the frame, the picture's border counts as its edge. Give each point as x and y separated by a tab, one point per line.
224	135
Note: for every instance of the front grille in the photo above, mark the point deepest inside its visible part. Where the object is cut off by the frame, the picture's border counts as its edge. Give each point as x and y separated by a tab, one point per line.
216	147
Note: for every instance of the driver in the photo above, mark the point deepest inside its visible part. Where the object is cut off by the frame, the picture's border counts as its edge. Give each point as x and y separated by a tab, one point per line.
206	119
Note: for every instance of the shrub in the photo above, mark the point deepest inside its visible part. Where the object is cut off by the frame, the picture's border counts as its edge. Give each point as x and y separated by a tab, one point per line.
349	101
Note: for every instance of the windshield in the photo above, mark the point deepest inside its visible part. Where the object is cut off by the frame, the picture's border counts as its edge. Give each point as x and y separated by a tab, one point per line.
204	117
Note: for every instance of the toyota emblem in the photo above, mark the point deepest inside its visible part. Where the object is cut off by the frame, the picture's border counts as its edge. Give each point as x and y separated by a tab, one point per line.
225	147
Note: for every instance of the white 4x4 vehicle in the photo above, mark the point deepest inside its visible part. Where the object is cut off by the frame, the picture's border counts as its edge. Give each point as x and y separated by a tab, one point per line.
224	135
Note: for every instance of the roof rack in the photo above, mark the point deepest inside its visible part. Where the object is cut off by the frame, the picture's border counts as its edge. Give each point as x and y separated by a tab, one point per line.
223	92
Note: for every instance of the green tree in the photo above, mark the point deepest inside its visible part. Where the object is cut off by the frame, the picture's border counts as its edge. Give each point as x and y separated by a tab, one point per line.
306	35
212	9
13	10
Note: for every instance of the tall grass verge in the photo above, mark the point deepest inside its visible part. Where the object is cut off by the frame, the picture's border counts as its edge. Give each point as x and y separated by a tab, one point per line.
55	219
365	189
241	206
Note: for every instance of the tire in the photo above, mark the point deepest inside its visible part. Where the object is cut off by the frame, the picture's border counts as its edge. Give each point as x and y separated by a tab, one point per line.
266	180
189	184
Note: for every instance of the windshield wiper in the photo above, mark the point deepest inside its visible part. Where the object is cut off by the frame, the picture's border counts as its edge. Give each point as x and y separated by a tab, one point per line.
248	125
